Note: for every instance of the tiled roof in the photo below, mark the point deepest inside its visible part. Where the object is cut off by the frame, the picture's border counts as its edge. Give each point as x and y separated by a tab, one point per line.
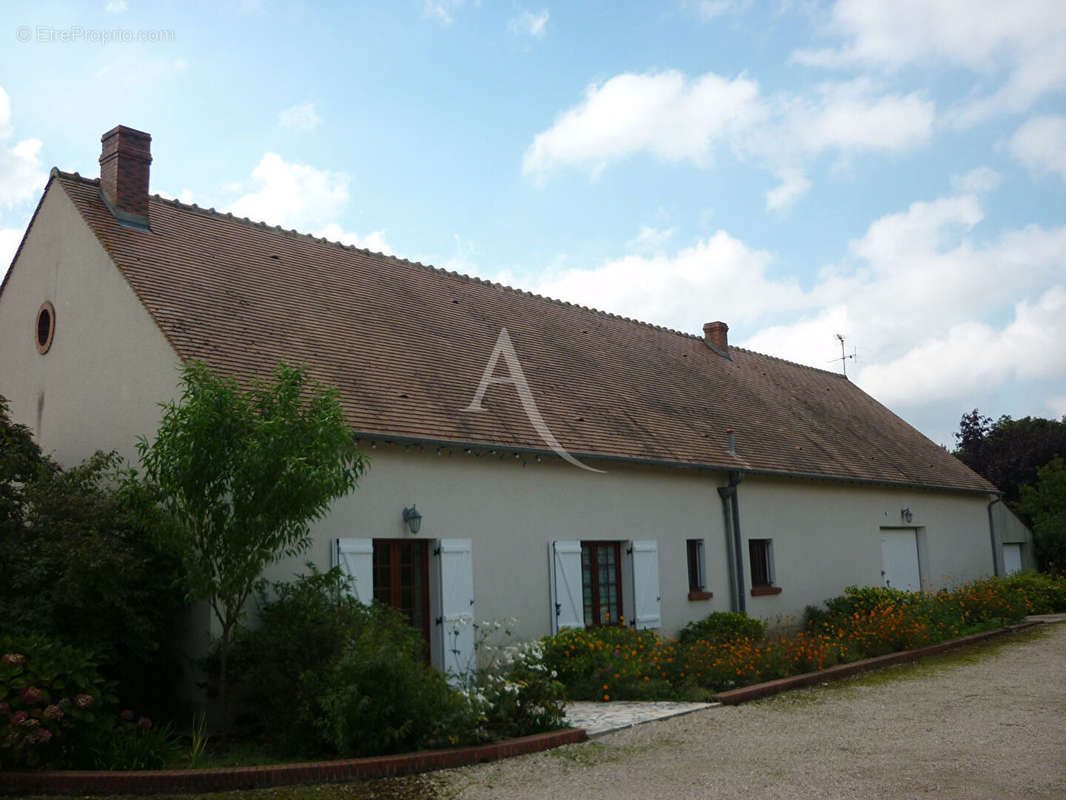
406	345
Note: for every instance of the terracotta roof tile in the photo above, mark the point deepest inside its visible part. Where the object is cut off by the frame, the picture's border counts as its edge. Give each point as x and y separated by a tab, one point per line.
406	345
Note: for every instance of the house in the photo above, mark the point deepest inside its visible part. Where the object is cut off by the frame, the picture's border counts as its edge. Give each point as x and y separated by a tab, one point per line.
531	458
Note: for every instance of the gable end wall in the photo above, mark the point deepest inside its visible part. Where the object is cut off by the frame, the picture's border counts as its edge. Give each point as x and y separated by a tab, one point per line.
109	365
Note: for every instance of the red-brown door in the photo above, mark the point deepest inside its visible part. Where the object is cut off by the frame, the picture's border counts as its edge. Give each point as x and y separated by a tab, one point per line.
401	579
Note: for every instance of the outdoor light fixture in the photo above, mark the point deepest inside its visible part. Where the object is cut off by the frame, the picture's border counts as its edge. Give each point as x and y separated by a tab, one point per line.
906	515
412	518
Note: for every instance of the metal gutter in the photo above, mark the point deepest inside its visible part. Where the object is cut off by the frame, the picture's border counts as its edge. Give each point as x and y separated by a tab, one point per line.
735	553
992	535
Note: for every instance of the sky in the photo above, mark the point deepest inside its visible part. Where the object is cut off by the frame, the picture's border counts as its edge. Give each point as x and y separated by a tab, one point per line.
890	171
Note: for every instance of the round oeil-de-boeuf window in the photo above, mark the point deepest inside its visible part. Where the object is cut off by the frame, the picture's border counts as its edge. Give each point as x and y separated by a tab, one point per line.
44	330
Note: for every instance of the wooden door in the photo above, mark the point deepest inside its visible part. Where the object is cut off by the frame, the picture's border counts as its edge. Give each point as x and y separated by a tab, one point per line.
401	579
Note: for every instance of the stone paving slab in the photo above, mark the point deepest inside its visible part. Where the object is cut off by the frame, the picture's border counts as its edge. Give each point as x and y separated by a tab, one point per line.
600	718
1046	618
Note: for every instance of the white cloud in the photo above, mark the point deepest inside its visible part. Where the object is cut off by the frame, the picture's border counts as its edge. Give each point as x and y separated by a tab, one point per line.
1040	144
972	355
294	195
462	260
301	197
853	116
9	243
529	23
371	241
715	278
441	11
708	10
977	181
21	173
676	118
115	6
185	196
665	113
921	300
916	291
651	239
1019	45
301	118
794	184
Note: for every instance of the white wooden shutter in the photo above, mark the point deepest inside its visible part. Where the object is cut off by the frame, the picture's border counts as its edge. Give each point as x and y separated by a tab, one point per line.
568	606
355	557
456	622
646	597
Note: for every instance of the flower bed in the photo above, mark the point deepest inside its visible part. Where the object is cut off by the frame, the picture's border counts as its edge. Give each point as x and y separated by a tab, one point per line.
619	663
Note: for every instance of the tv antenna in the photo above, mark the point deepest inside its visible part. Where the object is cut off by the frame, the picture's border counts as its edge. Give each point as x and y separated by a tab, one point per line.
844	356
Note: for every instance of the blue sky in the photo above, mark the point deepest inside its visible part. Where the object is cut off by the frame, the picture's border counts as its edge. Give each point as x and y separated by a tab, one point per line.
890	170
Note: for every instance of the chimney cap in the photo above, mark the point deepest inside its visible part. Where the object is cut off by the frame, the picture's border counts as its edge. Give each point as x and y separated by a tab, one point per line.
127	130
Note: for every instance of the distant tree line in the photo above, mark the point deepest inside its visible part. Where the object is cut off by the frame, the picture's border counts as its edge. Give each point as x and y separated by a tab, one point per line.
1026	459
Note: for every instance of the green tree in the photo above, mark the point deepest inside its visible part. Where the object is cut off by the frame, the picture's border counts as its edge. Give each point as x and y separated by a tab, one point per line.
240	473
1045	505
1009	451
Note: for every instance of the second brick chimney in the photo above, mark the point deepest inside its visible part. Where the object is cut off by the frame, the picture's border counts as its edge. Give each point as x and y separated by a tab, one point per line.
125	157
716	335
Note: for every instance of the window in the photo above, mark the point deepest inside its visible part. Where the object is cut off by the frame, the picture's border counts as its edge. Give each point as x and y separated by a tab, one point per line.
761	555
697	580
601	583
44	327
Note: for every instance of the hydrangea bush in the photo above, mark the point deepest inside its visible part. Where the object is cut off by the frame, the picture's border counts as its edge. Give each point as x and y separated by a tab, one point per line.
51	697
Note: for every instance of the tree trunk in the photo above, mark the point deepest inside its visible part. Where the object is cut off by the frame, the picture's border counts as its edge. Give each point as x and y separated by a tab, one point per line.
223	681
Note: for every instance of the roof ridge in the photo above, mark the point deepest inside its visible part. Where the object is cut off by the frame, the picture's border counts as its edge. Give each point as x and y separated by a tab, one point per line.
789	362
292	232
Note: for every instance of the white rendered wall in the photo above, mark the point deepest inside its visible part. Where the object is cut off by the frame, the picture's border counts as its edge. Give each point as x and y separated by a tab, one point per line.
109	366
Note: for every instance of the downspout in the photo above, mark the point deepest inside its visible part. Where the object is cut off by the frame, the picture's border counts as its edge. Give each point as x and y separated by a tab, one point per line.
992	535
731	510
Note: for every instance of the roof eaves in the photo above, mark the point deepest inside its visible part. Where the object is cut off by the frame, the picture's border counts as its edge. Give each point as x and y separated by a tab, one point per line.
659	462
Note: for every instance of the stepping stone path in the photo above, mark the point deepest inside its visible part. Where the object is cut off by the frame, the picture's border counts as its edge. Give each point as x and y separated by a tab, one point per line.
600	718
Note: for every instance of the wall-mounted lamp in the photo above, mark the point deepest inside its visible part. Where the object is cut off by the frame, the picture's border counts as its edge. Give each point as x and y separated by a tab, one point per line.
906	515
412	518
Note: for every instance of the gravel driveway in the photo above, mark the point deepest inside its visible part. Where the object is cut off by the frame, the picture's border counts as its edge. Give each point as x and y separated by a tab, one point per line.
974	725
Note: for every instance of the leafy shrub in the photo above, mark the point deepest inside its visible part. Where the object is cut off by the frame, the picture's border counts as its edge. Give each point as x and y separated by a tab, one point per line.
303	627
866	598
51	700
611	662
722	627
1044	594
133	742
323	674
79	566
380	696
713	655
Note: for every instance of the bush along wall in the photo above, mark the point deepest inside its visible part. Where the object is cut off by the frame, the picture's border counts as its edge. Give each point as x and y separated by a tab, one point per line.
727	650
322	675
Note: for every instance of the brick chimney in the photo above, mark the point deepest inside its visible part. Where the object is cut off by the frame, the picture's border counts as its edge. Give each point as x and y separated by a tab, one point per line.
716	335
125	156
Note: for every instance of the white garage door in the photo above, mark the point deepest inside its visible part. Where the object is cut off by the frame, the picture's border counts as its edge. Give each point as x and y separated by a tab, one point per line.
1012	558
899	560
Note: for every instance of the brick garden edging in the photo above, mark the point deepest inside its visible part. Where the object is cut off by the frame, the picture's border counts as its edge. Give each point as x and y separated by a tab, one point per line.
220	779
746	693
